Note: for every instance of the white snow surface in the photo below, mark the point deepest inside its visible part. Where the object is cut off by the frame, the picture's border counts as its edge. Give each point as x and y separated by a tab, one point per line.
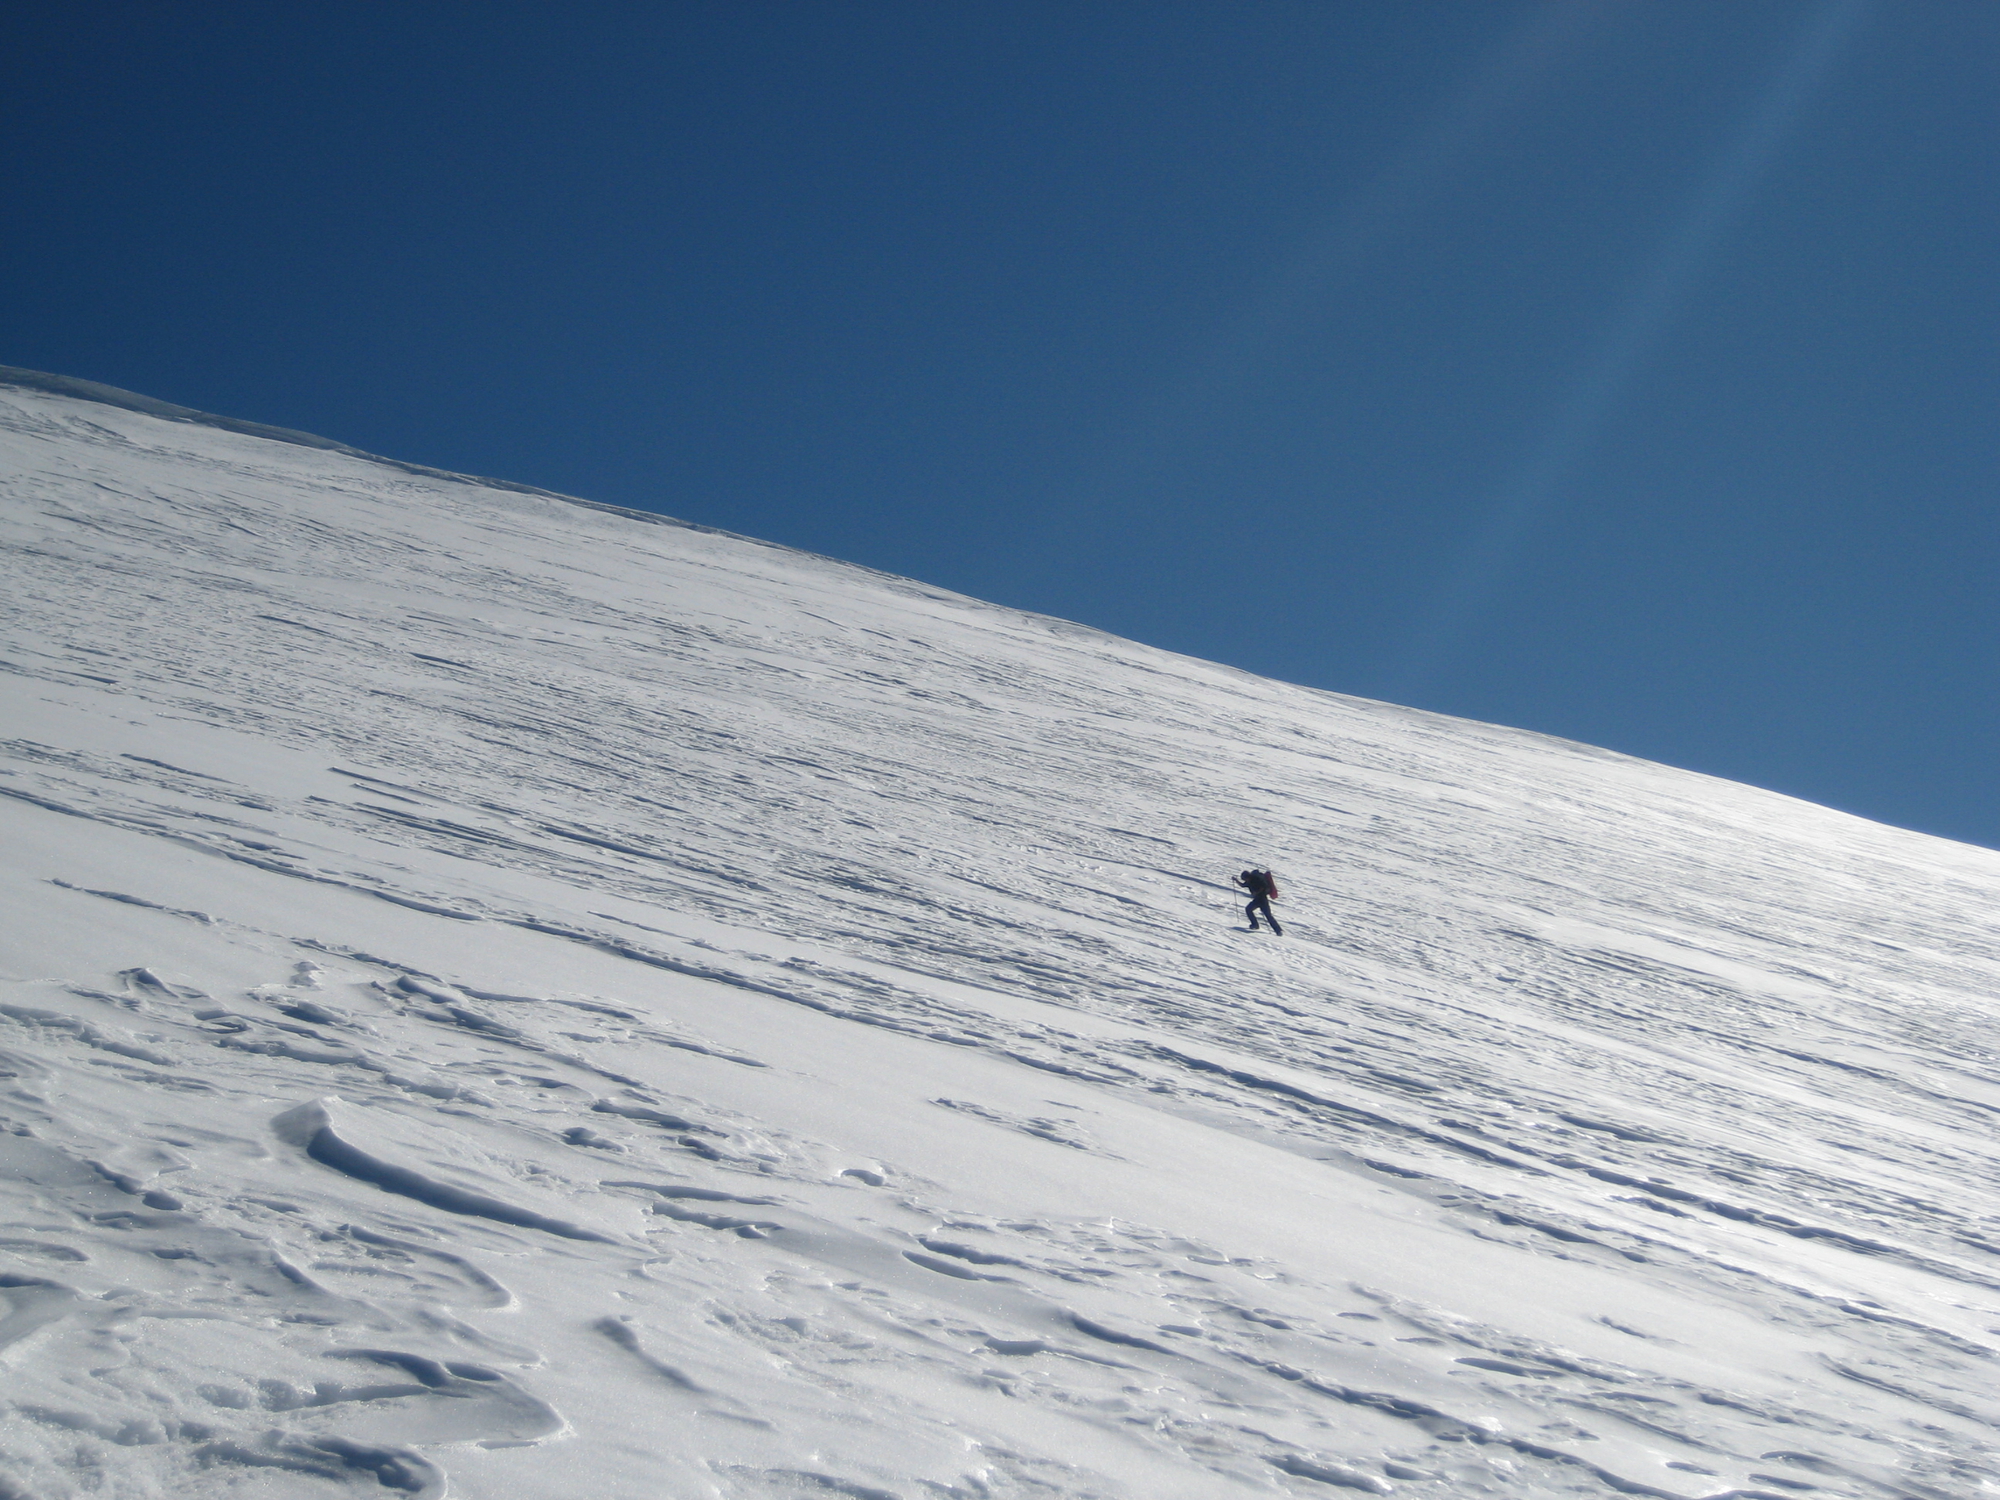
513	998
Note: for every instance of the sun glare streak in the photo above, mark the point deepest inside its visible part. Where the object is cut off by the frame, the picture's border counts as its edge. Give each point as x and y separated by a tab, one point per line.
1659	290
1305	289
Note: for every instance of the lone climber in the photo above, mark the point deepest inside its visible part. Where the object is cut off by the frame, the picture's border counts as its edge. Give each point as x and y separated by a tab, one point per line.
1263	888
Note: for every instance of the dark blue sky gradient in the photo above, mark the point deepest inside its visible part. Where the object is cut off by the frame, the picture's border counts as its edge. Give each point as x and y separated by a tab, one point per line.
1623	370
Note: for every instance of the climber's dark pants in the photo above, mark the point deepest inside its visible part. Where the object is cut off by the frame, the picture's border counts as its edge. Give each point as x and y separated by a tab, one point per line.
1263	904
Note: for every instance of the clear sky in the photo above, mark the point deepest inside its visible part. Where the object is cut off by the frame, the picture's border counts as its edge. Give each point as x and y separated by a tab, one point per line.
1623	369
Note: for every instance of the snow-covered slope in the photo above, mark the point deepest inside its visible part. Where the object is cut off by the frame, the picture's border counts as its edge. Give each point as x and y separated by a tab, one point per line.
511	998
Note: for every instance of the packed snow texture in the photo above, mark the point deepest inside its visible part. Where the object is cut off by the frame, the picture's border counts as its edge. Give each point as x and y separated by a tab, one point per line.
514	998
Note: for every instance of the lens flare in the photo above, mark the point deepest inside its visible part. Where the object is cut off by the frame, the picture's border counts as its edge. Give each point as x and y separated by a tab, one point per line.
1659	289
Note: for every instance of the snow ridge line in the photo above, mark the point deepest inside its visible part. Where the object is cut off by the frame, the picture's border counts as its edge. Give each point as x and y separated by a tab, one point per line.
310	1127
1355	1112
134	825
45	383
1440	1423
1796	1230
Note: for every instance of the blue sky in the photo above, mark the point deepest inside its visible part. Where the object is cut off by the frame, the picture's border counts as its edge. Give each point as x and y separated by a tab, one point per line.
1622	369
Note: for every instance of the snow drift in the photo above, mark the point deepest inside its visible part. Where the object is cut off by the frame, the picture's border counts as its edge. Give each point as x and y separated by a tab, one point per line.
514	998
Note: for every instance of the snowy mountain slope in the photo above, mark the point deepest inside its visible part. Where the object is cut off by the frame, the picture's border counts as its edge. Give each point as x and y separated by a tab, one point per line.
508	998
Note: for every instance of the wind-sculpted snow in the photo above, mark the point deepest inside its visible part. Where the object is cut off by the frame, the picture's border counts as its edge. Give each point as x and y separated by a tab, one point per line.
505	997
